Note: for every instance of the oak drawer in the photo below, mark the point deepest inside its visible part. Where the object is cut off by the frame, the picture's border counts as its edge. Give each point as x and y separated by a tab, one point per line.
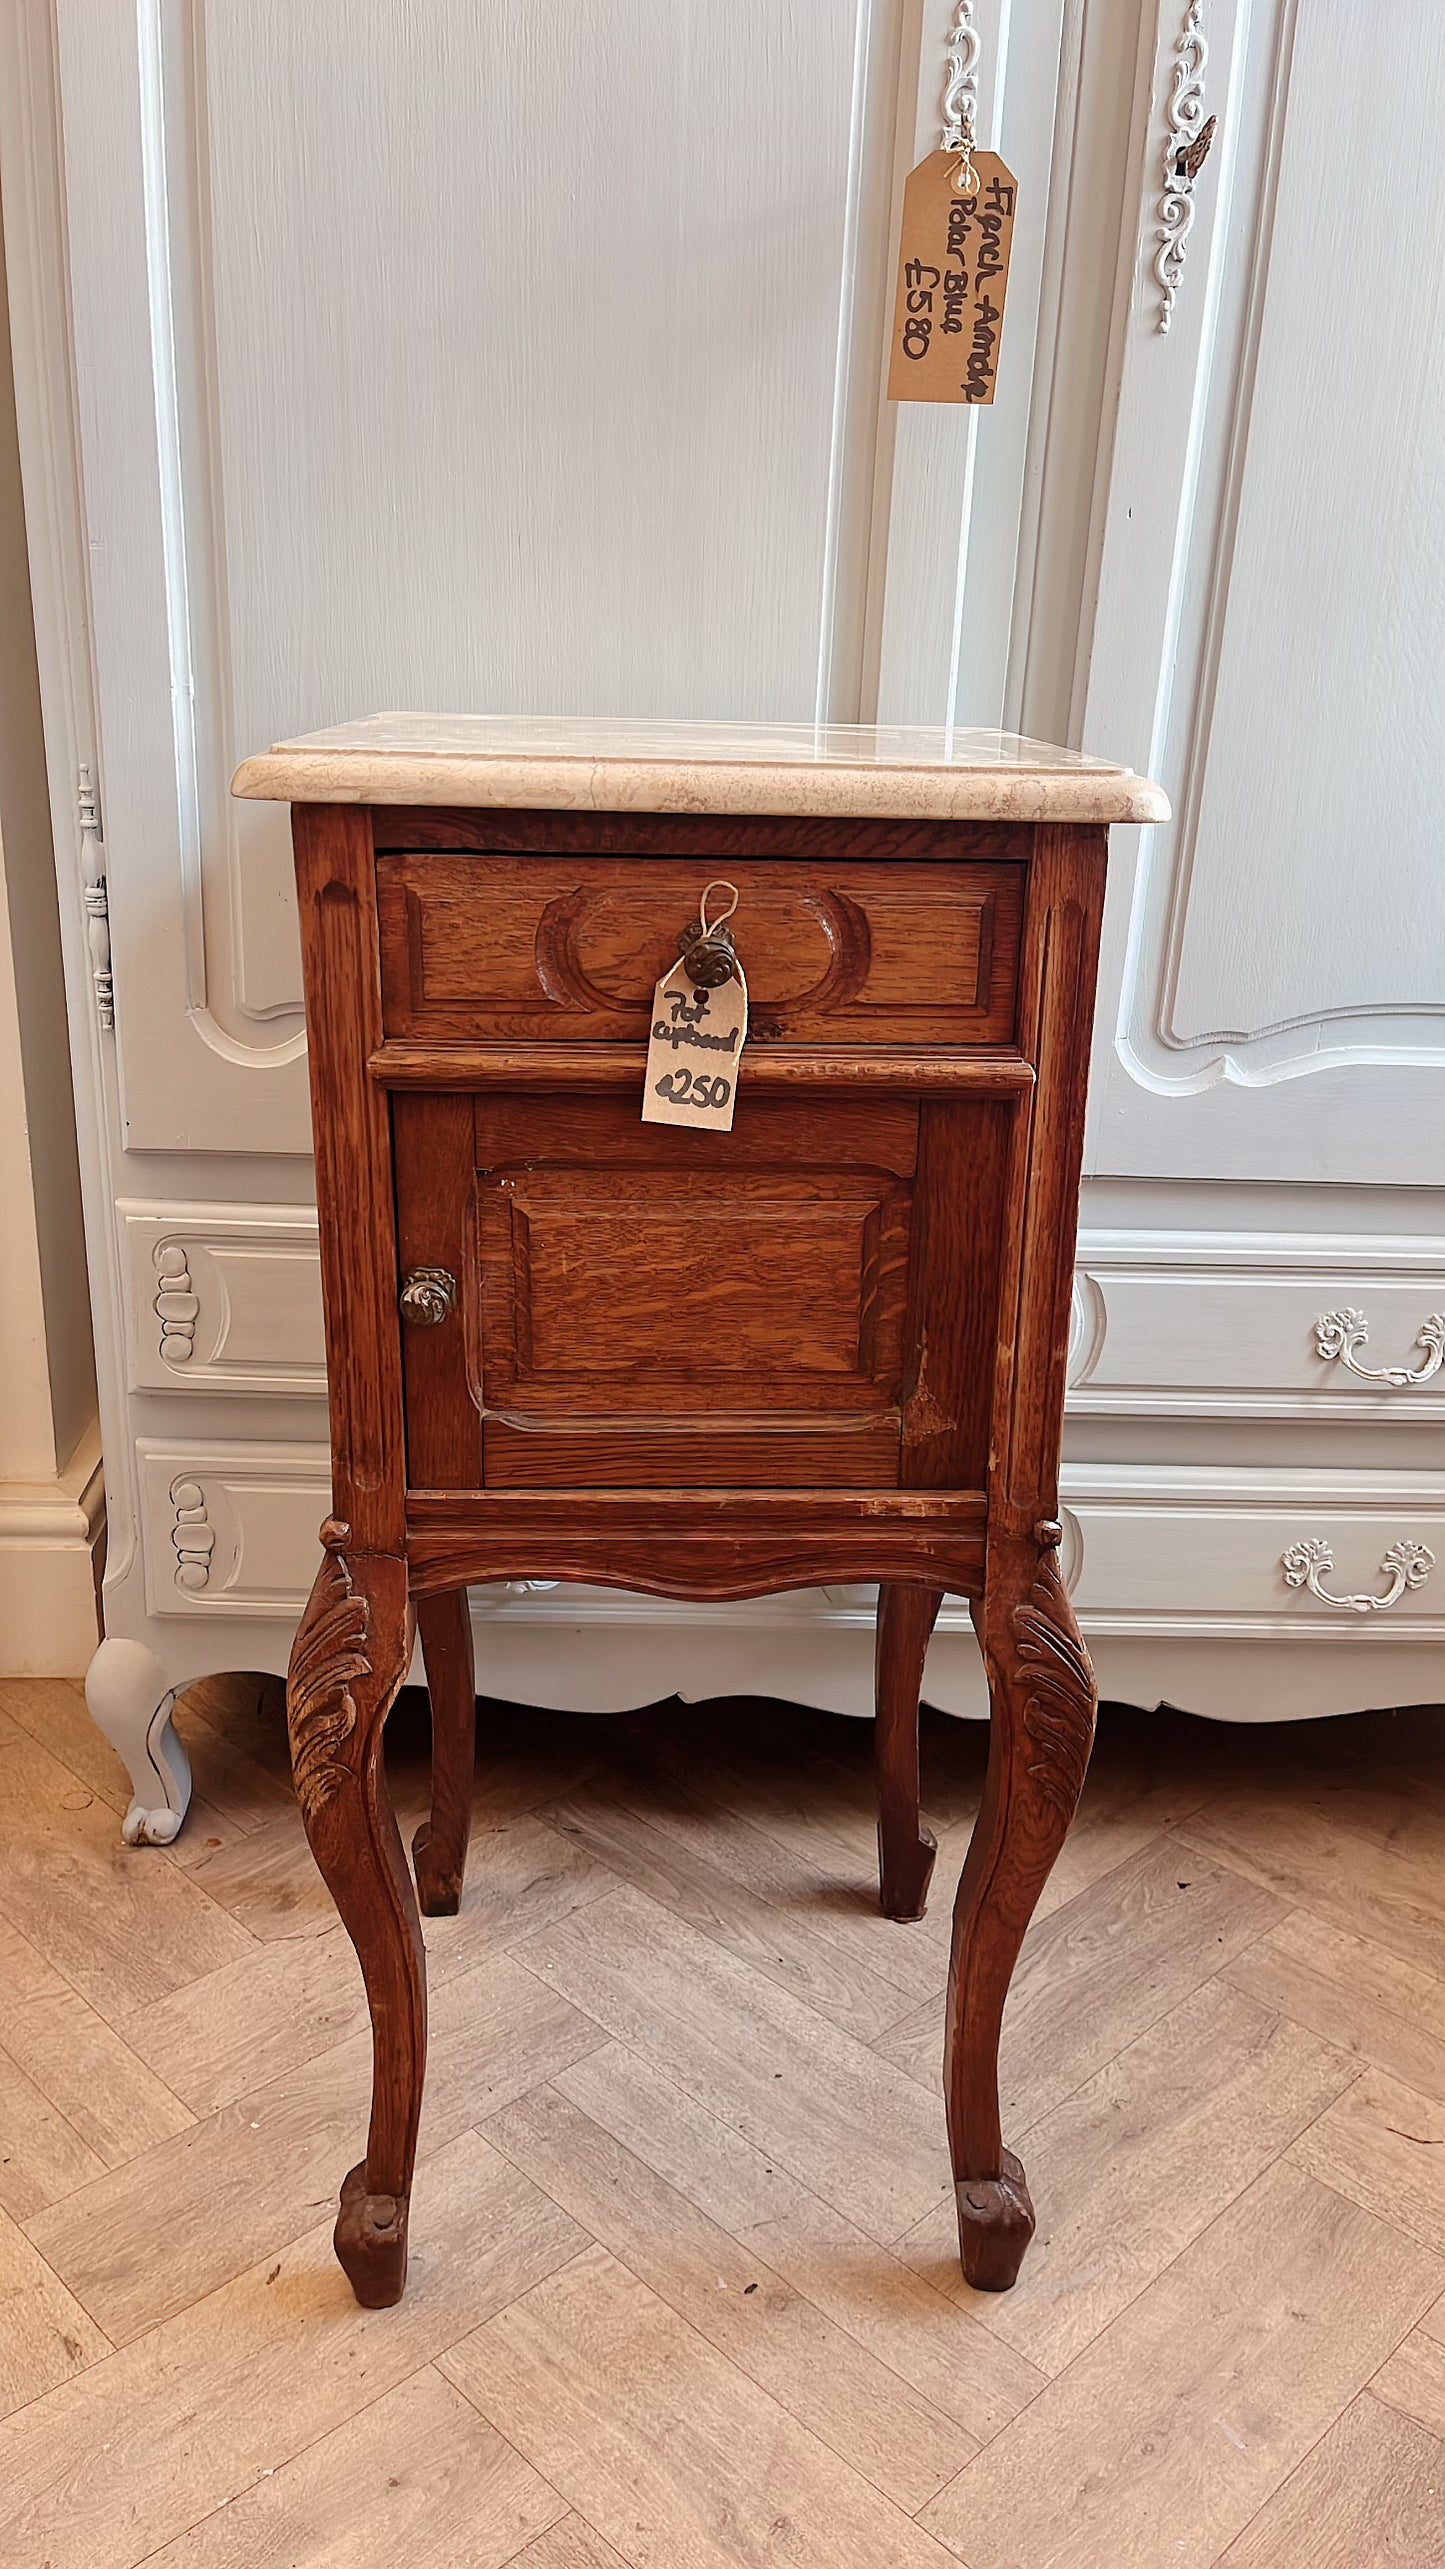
522	949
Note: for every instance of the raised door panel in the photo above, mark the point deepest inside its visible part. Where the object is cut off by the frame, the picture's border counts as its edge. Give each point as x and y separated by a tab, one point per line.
701	1312
810	1301
222	1298
438	355
1272	601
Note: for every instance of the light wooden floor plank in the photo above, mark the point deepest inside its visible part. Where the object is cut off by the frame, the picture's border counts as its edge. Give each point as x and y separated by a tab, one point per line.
122	1924
1413	2379
1141	2160
258	2171
1370	2496
709	2063
1355	1993
80	2064
42	2157
825	2378
283	2001
769	1929
1384	2146
45	2336
1094	1976
789	2081
419	2479
570	2544
1368	1856
960	2366
241	2381
1201	2398
677	2458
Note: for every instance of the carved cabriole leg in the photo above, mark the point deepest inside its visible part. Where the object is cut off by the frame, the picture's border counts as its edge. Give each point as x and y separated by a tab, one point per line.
1043	1704
439	1848
350	1656
906	1849
130	1699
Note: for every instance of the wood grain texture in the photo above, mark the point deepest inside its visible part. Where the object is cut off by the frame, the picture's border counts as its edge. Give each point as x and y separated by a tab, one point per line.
439	1848
821	2374
526	949
419	2477
1198	2401
260	2418
45	2335
254	2171
906	1849
680	1345
350	1654
351	1126
242	2380
679	2413
1146	2154
1384	2146
755	2056
1370	2496
960	2366
701	837
1355	1993
119	1932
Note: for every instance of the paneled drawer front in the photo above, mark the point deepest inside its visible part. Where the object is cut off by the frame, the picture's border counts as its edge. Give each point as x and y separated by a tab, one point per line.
232	1532
506	949
222	1298
1223	1325
1179	1550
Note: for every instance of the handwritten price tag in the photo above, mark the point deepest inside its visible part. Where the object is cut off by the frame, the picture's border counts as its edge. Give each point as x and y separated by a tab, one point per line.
953	261
693	1052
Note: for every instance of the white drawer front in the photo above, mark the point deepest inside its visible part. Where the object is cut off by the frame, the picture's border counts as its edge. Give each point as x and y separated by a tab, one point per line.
1218	1325
1296	1554
232	1533
222	1298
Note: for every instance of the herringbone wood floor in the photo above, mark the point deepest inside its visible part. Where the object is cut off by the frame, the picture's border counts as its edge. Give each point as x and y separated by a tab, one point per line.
683	2291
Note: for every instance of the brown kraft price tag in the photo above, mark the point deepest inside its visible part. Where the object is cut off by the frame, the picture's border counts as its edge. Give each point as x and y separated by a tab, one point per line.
698	1030
953	261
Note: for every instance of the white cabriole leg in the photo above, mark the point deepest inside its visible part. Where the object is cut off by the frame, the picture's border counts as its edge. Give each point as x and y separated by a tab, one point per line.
131	1702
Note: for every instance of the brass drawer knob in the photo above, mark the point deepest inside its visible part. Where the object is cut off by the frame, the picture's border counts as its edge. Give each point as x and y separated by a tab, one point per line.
427	1295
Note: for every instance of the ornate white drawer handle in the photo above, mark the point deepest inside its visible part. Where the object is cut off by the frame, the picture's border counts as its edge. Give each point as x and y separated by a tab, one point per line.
1341	1333
1407	1565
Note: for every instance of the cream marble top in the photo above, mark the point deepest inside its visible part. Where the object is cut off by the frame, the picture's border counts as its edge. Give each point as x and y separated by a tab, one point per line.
572	763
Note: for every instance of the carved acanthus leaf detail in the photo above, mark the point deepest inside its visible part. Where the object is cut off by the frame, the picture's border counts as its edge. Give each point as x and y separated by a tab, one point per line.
328	1658
1058	1687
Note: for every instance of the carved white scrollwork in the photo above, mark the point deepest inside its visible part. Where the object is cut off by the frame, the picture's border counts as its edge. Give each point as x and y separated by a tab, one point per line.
177	1305
194	1539
960	87
1340	1334
1307	1564
1185	141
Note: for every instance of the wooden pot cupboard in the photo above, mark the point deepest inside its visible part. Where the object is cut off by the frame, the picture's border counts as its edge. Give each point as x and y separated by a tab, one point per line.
827	1345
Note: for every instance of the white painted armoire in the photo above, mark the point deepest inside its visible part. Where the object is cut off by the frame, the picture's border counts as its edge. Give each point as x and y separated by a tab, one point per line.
415	353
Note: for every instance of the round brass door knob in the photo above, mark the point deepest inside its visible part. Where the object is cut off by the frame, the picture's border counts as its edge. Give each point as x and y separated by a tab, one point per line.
427	1295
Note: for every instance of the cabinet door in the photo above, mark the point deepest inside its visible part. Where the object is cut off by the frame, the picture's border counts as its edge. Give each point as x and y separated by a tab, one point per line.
1271	618
505	359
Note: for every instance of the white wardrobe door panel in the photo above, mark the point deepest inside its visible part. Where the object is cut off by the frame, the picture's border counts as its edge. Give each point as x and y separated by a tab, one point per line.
445	356
1272	586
